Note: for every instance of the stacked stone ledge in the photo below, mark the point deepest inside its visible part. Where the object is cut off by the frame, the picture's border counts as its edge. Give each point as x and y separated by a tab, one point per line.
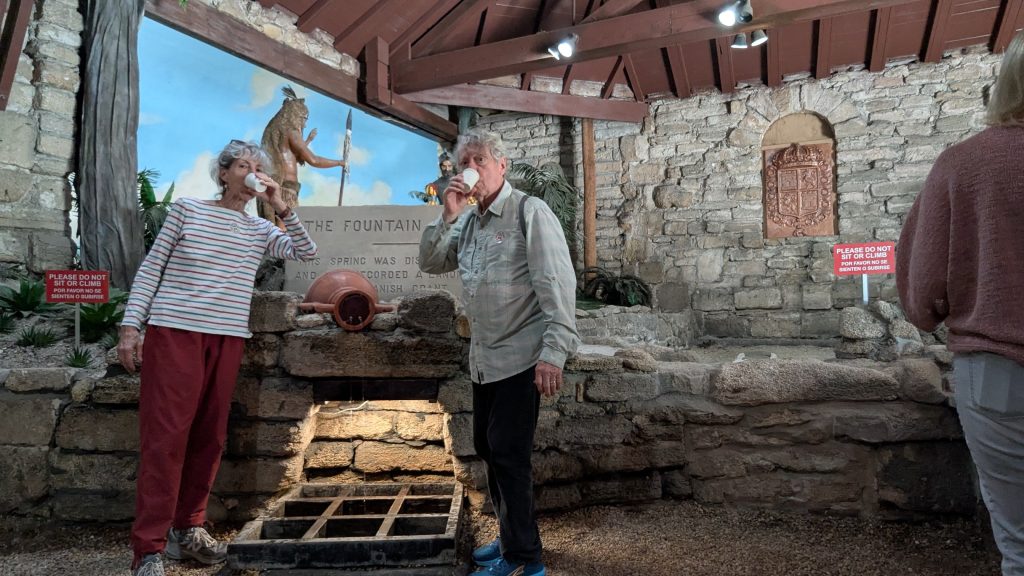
852	436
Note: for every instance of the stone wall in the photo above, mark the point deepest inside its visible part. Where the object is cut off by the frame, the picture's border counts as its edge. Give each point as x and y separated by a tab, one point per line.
853	436
680	198
37	142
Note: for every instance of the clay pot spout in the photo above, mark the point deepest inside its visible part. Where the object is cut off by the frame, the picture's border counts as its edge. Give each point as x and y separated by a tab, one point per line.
350	298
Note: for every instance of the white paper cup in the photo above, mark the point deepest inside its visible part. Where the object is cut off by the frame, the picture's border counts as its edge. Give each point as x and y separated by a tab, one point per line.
470	177
252	182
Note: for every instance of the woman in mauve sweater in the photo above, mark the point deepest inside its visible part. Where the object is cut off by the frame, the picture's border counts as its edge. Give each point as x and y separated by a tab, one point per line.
959	262
193	291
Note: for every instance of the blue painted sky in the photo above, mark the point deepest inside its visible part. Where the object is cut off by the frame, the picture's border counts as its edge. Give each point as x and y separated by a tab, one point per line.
195	98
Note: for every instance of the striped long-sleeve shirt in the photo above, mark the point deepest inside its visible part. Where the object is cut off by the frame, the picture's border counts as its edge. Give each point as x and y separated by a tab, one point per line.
200	272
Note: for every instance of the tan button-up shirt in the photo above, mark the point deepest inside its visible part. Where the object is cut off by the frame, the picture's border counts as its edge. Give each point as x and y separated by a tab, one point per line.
519	291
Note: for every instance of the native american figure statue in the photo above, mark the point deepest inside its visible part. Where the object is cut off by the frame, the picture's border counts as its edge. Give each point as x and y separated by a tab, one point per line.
288	149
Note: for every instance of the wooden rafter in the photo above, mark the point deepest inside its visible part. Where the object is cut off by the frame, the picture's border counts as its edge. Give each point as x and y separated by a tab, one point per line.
633	78
513	100
611	9
774	60
677	65
235	37
401	46
11	40
823	54
723	57
362	29
380	97
937	31
1007	25
306	20
883	16
609	85
567	78
464	10
649	29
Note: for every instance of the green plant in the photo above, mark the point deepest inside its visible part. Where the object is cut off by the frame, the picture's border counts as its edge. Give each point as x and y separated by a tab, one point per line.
625	290
109	340
550	185
37	337
152	211
6	322
29	298
99	320
79	357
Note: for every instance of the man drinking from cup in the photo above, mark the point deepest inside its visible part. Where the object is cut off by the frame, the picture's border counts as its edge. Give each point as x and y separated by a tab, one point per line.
520	294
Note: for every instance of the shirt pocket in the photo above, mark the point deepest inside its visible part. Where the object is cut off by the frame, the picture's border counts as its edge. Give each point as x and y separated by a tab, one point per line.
995	383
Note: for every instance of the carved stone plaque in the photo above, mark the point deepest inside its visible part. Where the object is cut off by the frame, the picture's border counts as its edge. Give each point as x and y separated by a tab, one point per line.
799	191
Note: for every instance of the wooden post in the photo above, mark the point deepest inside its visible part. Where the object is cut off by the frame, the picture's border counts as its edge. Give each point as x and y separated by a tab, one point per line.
589	196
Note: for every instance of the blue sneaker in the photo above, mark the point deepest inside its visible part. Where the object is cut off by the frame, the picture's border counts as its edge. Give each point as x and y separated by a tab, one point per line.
488	553
503	567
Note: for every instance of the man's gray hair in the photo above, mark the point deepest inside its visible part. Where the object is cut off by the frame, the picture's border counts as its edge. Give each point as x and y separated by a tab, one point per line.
233	151
480	138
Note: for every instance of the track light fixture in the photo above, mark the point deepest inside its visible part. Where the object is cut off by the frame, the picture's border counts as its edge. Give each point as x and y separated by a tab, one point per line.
758	37
740	41
736	12
565	47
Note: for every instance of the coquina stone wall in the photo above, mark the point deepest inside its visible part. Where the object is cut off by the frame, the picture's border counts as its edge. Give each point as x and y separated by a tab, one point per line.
37	142
680	196
786	430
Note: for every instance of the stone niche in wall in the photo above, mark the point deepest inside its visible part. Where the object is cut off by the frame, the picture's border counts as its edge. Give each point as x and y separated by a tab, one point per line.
799	177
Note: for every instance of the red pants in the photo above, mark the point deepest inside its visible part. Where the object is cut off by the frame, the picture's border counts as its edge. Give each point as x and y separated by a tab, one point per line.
187	382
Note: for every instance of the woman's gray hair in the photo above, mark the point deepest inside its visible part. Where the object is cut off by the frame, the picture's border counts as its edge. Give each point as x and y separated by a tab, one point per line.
233	151
1006	104
480	138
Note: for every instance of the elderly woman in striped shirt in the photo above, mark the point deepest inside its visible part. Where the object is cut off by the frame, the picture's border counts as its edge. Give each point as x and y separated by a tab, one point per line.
193	291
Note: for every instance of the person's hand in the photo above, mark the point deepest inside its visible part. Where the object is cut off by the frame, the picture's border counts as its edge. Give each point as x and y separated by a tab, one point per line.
129	347
456	196
548	378
272	195
312	134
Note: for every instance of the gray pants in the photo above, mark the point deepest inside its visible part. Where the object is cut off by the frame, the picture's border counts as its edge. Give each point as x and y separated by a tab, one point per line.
990	401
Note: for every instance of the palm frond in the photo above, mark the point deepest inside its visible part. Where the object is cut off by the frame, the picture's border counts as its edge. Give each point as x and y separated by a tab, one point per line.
550	185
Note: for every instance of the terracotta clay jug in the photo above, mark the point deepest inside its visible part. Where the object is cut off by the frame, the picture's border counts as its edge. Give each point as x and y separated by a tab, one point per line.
347	295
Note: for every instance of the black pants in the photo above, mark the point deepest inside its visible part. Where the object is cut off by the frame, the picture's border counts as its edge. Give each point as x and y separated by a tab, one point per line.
504	421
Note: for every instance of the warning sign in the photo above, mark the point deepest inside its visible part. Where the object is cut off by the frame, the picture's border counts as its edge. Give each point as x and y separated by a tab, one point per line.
869	258
84	286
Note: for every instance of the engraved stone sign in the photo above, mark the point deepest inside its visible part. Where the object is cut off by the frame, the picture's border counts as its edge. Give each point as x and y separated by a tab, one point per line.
381	242
799	195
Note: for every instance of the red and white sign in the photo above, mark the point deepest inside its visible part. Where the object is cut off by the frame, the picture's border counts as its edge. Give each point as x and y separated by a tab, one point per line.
869	258
82	286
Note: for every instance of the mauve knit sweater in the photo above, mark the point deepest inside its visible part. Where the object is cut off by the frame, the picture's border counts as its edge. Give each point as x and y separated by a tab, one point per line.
961	253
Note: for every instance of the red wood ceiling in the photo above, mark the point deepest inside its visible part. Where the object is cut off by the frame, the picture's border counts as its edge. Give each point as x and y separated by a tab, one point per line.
441	50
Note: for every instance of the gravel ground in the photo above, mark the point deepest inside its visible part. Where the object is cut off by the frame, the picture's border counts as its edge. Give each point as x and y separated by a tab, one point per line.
660	539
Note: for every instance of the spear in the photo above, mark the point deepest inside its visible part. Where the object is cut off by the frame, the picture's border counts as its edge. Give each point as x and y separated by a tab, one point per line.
346	149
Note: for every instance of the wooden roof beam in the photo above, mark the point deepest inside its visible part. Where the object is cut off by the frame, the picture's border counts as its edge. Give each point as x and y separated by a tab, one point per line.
514	100
650	29
1007	25
11	40
380	97
723	57
400	49
774	60
609	85
306	19
883	16
439	33
823	54
359	32
937	31
676	65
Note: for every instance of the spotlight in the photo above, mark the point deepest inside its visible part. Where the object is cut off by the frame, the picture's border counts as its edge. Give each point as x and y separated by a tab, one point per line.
739	11
758	37
740	41
565	48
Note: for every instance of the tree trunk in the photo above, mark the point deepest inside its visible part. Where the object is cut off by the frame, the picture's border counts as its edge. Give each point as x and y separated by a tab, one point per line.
111	230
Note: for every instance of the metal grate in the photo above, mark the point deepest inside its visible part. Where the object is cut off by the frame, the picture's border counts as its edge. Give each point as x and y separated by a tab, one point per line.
353	525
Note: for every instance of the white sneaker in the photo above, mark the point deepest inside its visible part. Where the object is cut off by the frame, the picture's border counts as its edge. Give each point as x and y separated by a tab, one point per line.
197	544
151	565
